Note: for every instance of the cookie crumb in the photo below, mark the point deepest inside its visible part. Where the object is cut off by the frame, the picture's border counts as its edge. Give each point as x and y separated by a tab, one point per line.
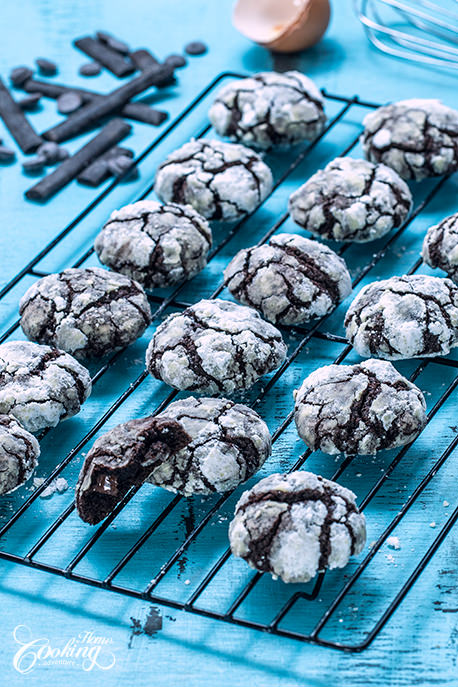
393	543
59	485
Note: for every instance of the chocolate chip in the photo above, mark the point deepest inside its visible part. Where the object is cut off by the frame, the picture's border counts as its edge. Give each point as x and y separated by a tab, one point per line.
46	67
35	165
176	61
195	48
6	154
90	69
52	153
20	75
30	102
63	154
69	102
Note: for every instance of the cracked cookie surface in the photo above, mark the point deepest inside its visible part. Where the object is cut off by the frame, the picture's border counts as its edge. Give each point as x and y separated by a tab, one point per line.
418	138
123	458
288	280
157	245
404	317
19	453
86	312
214	347
269	110
440	246
40	385
295	525
358	409
222	181
351	200
229	443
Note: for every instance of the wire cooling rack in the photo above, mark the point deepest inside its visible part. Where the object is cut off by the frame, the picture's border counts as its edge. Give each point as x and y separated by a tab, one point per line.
356	601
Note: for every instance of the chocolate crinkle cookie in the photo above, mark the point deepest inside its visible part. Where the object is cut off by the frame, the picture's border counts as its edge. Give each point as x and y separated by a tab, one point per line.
222	181
229	443
40	385
157	245
417	138
19	453
269	110
351	200
122	458
404	317
295	525
358	409
440	246
214	347
289	279
87	312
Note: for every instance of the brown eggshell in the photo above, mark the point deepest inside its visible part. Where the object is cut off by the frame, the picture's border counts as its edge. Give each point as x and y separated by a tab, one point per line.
282	25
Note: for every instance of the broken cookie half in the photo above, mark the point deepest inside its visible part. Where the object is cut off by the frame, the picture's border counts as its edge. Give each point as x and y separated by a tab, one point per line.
124	457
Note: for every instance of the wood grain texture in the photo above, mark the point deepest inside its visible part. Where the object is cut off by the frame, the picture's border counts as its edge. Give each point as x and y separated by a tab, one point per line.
419	644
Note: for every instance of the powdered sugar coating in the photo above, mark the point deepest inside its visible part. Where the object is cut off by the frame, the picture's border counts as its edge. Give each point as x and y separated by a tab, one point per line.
269	110
157	245
288	280
294	525
440	246
404	317
229	443
19	453
351	200
40	385
358	409
87	312
418	138
222	181
214	347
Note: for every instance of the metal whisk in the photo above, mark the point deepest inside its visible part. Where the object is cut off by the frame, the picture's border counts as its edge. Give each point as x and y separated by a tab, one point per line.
424	31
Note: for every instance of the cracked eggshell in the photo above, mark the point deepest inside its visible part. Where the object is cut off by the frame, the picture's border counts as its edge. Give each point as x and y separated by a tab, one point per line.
282	25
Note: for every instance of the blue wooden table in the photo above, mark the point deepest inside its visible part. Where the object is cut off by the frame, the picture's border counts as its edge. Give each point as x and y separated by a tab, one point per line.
123	639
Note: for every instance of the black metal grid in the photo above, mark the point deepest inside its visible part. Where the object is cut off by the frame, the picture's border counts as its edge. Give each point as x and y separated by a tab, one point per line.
306	334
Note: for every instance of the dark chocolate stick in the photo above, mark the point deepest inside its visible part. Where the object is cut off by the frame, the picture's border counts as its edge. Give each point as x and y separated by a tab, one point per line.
97	172
140	112
110	135
16	122
143	60
101	107
101	52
